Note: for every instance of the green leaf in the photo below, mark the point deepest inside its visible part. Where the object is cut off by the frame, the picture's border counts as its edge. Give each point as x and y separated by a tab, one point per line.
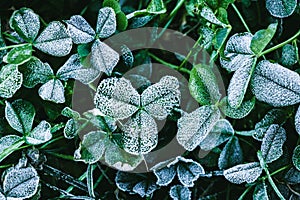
74	69
68	112
281	8
156	7
35	72
296	157
20	182
160	98
114	4
219	3
18	55
8	144
260	192
26	23
140	134
2	44
195	126
79	29
297	120
115	97
220	133
262	38
272	143
238	85
220	37
243	173
71	127
53	91
209	15
103	58
203	85
237	113
106	22
292	176
288	55
39	134
20	115
179	192
10	81
54	40
92	147
119	159
231	154
122	21
275	85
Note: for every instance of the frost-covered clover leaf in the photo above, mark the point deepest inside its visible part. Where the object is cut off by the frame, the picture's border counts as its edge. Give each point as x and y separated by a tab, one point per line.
187	170
179	192
20	182
142	184
10	80
297	120
296	157
103	58
195	126
116	97
98	145
6	144
18	55
275	85
243	173
20	115
72	125
281	8
260	192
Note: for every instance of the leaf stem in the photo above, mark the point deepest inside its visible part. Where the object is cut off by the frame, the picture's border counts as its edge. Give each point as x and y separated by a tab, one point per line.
12	46
245	192
177	7
241	17
279	45
245	133
169	64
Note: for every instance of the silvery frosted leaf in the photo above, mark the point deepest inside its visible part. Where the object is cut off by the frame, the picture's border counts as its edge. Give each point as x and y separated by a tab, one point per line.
2	44
237	113
140	134
179	192
103	58
40	134
220	133
288	55
6	142
68	112
54	40
238	85
159	99
274	116
238	52
101	121
260	192
53	91
115	97
296	157
10	81
262	38
71	128
156	7
281	8
292	176
79	29
35	72
20	183
207	37
138	22
74	69
243	173
231	154
18	55
209	15
20	114
272	143
92	147
194	127
188	171
134	183
203	85
297	120
106	22
127	56
275	85
138	81
119	159
26	23
165	175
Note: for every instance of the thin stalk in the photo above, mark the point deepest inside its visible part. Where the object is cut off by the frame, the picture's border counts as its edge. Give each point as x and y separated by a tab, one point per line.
104	174
273	184
6	152
12	46
58	155
241	17
245	192
177	7
90	180
245	133
169	64
100	178
51	141
280	45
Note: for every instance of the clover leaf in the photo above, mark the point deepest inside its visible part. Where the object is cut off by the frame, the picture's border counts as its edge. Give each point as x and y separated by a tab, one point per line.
10	80
179	192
